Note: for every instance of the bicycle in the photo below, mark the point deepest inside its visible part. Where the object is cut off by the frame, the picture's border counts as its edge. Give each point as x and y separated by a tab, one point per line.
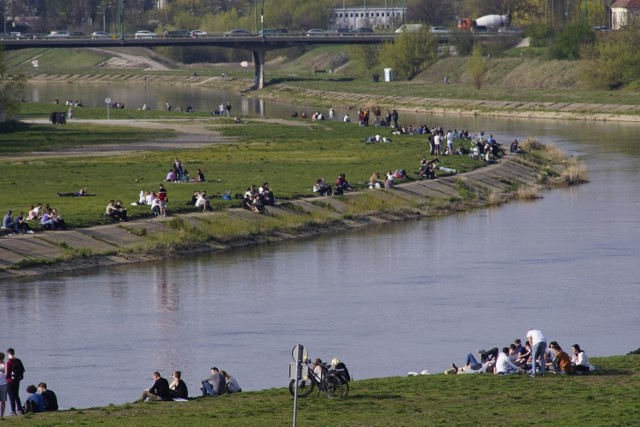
329	384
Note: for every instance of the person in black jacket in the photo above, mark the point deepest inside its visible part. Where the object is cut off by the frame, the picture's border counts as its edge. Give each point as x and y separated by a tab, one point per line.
50	398
158	391
177	388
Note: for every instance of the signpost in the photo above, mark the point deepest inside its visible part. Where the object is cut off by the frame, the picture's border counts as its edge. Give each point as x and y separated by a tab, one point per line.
107	101
297	371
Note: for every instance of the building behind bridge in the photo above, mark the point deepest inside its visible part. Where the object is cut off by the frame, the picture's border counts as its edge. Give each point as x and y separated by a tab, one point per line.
381	17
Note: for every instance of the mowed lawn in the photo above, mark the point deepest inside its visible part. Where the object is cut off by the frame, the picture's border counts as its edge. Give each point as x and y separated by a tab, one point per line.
608	397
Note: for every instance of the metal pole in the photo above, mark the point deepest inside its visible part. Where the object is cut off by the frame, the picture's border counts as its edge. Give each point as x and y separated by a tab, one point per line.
262	17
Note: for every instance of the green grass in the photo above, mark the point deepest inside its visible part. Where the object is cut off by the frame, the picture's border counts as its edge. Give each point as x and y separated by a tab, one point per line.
605	398
289	156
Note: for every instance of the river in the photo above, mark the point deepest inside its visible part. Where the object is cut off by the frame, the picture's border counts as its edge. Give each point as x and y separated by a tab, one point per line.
386	300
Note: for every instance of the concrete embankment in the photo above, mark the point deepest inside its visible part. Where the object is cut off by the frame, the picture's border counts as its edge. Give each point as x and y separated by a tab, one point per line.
135	241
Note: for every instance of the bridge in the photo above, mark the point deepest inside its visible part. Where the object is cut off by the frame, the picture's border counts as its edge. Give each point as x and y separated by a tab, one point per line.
257	44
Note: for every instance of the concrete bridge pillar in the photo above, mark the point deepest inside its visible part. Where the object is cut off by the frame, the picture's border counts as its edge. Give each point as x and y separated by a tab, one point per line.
258	62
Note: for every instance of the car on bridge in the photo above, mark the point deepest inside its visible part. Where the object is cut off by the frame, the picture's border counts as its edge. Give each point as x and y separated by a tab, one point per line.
144	34
237	32
177	33
439	30
59	34
199	33
273	32
316	32
100	35
364	30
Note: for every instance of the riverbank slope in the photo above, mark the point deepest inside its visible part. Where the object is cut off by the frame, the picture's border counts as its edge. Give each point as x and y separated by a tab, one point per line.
514	176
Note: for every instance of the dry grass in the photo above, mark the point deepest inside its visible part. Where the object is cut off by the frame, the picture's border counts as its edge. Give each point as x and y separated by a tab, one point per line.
528	193
575	172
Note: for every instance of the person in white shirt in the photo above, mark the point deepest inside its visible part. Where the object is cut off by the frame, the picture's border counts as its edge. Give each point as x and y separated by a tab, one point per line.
580	360
538	346
504	365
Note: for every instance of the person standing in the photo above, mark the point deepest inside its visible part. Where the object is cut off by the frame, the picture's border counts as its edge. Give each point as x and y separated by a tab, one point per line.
162	200
3	386
228	108
14	372
158	391
538	346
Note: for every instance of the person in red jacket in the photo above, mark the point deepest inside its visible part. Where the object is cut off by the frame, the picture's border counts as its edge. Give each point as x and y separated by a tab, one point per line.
14	372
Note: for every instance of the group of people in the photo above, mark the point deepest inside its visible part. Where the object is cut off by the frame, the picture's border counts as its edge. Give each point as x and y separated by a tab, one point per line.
534	358
341	185
257	199
390	177
178	173
49	219
12	372
18	225
116	210
218	382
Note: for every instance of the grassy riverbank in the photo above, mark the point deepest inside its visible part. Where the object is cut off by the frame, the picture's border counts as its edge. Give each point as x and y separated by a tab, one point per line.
290	155
605	398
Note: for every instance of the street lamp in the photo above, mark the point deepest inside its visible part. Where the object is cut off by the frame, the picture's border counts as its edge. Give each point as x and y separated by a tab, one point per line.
104	13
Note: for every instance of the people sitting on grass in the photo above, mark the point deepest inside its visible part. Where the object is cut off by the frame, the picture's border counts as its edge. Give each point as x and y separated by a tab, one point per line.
342	184
9	223
504	365
561	363
50	398
35	401
214	384
35	212
514	147
202	202
267	195
23	225
472	366
428	168
580	360
178	388
231	383
158	391
322	188
171	176
79	193
199	176
375	181
52	220
253	200
116	211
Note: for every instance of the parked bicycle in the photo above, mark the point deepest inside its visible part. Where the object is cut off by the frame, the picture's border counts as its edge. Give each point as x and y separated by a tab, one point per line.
327	382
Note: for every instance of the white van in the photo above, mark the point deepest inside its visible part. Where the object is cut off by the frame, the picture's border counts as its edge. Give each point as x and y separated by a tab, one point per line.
410	28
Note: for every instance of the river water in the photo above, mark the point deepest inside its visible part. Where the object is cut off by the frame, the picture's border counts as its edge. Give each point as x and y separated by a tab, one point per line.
386	300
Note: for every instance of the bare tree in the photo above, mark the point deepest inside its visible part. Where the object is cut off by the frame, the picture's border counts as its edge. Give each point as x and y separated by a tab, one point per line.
433	12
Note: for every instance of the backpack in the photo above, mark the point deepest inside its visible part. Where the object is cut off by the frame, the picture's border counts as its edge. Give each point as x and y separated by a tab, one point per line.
17	369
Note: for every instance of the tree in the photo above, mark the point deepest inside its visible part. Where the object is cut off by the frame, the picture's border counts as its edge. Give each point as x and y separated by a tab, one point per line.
411	53
477	67
11	89
614	61
368	55
570	40
433	12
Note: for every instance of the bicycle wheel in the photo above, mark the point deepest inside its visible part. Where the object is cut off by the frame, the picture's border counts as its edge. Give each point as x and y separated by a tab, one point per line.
332	386
305	387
